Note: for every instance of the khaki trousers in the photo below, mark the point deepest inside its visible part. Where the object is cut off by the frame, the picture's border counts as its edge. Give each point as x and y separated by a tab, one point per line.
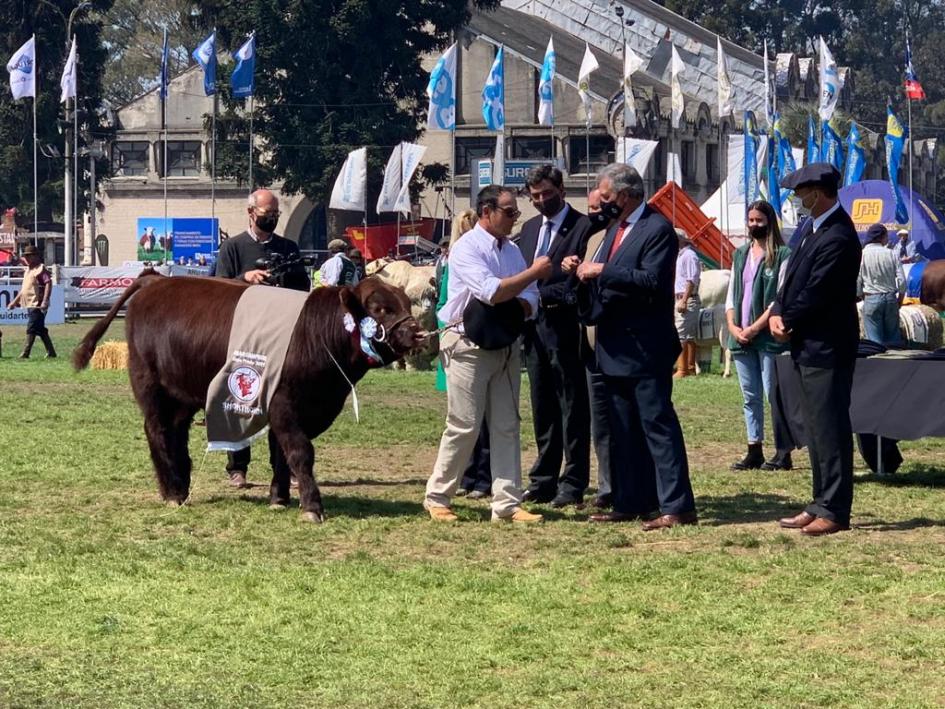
479	384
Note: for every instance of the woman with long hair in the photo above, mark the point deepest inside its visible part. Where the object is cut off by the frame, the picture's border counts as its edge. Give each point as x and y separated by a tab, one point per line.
757	271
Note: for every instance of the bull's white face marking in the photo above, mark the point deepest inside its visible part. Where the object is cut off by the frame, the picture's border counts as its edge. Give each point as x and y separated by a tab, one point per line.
244	383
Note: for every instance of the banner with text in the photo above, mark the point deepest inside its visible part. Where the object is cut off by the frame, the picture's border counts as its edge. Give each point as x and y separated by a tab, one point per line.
56	315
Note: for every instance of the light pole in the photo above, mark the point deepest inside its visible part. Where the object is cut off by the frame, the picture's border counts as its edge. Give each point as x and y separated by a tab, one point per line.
72	132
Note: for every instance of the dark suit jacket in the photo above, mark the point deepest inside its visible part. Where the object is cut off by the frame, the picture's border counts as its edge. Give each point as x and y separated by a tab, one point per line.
557	317
631	302
817	300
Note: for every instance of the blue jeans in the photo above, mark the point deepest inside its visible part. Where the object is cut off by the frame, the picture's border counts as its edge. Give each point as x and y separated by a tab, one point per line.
755	375
881	318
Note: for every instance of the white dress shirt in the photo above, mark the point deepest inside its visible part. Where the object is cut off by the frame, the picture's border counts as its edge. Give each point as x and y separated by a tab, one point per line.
477	266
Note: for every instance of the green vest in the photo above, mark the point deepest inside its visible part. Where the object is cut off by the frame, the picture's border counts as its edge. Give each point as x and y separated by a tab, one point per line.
764	289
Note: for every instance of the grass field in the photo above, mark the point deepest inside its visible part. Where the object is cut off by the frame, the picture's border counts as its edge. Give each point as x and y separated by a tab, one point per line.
108	598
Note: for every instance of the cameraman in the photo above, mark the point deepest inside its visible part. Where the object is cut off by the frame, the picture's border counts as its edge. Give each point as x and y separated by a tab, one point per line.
238	256
238	259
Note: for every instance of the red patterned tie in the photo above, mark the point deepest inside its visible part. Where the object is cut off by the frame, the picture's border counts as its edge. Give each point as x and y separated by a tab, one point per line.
618	239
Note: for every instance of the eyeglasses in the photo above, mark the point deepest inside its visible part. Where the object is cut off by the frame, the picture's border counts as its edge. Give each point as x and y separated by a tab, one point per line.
510	212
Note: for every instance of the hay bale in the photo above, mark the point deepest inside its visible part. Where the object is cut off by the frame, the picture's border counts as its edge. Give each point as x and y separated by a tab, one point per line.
920	326
111	355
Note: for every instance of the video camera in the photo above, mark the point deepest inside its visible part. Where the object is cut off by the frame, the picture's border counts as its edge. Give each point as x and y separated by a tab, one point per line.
279	265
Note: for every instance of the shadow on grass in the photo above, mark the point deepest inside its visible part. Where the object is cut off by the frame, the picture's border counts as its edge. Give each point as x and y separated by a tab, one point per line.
335	505
745	507
904	525
918	475
372	482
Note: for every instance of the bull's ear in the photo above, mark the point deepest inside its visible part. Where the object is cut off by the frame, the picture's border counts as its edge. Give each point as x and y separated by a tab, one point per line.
351	303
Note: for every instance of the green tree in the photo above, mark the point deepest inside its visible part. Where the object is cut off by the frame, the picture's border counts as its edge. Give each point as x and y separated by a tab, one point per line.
331	76
47	19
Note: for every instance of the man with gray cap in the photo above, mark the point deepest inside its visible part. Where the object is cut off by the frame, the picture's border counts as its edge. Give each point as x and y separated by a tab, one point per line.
339	270
815	310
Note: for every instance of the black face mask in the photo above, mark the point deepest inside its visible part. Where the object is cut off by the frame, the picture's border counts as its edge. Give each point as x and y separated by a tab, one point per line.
598	220
758	232
267	223
549	207
610	209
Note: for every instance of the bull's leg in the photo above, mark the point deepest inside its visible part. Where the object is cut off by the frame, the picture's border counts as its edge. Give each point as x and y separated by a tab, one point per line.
183	465
281	475
300	456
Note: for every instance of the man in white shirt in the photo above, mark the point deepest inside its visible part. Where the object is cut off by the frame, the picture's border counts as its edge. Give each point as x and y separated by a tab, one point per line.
339	270
882	285
481	383
905	249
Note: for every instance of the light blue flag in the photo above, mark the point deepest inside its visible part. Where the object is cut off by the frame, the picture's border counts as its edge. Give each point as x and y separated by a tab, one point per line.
813	150
750	176
441	114
206	56
493	93
856	157
786	164
895	140
243	79
773	176
546	91
831	147
164	66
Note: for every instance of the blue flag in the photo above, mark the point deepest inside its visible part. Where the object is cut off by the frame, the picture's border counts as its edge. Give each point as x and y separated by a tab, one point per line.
813	150
206	56
895	141
441	90
750	176
773	177
546	90
493	93
164	67
786	163
856	157
831	147
243	80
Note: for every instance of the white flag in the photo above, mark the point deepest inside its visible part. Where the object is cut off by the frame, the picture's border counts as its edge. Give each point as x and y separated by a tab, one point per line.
673	169
349	190
677	96
636	153
546	91
391	186
830	83
395	192
442	92
68	80
632	62
22	68
588	65
725	83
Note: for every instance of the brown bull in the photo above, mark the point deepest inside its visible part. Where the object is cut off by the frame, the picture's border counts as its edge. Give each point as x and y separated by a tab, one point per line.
933	285
178	333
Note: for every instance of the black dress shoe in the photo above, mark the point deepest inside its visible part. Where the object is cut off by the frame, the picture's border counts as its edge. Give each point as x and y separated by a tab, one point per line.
614	517
753	460
562	501
781	461
533	496
604	502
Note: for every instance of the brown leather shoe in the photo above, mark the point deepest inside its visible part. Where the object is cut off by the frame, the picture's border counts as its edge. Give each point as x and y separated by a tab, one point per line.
238	480
613	517
441	514
821	526
667	521
798	521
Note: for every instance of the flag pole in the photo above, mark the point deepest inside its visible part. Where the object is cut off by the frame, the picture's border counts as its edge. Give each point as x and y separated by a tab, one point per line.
213	158
400	169
251	107
164	171
672	155
909	146
35	159
723	193
453	174
75	157
587	155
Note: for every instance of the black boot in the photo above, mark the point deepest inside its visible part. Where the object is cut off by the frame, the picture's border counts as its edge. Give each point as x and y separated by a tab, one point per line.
753	460
50	350
780	461
28	347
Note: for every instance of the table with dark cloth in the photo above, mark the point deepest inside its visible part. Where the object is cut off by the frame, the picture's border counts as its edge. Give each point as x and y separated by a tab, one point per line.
897	399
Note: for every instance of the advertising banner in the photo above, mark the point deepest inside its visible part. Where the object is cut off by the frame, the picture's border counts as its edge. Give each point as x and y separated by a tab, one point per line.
101	285
56	315
184	241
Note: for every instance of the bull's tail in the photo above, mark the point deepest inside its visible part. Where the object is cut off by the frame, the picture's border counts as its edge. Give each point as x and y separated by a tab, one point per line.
82	354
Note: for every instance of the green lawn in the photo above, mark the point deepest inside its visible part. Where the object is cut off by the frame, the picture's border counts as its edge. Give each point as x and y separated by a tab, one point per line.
108	598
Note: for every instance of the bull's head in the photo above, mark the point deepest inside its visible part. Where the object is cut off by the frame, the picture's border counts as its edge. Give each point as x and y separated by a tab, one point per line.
398	331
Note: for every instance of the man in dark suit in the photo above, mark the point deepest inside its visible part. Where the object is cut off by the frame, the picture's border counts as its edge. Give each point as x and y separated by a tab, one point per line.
816	311
238	259
556	374
626	291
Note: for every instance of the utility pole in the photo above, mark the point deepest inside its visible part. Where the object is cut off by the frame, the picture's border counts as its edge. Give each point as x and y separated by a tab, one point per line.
70	212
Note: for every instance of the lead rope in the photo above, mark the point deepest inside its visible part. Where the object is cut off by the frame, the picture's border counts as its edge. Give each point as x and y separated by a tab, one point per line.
354	394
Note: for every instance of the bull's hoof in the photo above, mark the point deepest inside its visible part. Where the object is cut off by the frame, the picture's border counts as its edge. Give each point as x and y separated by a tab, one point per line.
315	517
278	505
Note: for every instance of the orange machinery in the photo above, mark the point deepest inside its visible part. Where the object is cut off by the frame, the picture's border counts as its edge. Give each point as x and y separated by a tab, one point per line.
707	239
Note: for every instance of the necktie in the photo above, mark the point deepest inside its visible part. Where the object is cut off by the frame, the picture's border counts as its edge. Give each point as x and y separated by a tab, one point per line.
545	241
618	239
902	249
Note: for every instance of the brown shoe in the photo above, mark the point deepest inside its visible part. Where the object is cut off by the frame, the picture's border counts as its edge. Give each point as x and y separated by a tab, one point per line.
613	517
518	516
238	480
798	521
821	526
441	514
667	521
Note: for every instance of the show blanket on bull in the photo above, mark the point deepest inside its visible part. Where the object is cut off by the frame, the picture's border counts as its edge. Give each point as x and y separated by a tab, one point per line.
239	395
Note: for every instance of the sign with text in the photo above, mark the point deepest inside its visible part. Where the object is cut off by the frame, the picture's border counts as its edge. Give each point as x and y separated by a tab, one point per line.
56	315
101	285
185	241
